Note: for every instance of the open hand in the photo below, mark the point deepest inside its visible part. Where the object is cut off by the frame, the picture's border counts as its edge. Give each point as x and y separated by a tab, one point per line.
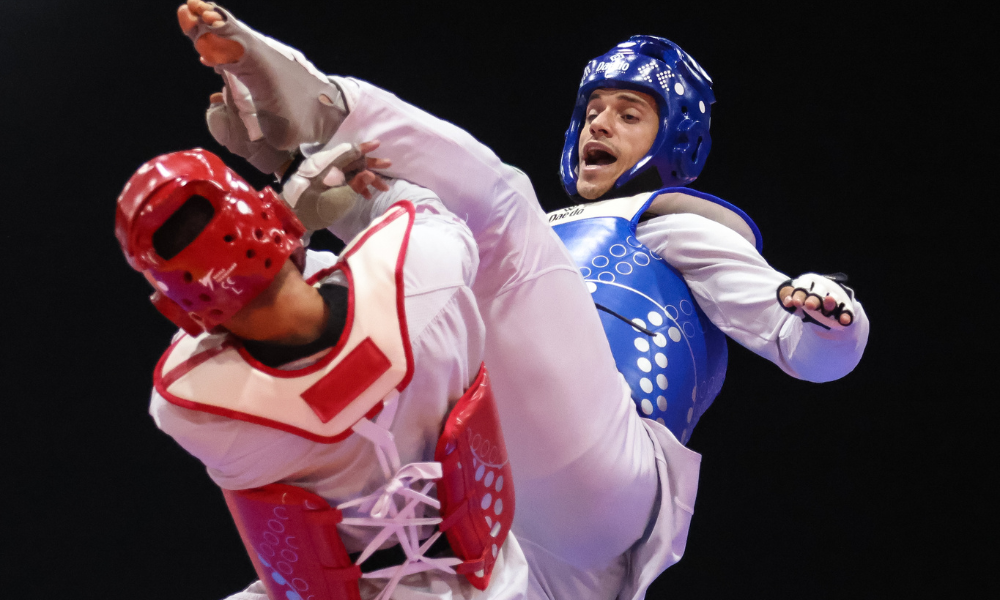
327	184
362	180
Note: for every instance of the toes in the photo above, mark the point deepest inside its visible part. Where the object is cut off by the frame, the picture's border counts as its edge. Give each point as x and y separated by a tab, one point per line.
203	10
197	7
185	19
212	18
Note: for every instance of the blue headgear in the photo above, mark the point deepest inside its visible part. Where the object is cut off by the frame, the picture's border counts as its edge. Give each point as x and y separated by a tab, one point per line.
683	92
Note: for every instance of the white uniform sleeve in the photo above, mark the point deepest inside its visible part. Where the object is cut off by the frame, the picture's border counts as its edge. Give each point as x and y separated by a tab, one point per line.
736	288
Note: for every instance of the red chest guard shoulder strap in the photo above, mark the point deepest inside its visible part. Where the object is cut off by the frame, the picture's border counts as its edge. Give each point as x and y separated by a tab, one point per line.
291	534
323	401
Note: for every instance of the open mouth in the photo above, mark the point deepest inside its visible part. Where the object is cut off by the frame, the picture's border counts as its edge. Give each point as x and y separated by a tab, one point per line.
596	155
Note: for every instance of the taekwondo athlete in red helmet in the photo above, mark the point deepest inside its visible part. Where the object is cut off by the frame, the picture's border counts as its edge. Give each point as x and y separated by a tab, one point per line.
239	251
344	397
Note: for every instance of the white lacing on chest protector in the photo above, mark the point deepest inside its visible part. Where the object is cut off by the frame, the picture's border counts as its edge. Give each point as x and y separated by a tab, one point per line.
385	511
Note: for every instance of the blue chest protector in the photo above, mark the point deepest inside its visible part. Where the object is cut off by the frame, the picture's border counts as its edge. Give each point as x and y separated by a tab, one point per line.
673	358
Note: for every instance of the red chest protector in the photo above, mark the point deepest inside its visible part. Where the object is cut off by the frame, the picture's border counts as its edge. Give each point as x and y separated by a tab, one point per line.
291	534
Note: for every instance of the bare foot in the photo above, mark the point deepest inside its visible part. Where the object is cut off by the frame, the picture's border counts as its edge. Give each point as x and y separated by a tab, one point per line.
213	49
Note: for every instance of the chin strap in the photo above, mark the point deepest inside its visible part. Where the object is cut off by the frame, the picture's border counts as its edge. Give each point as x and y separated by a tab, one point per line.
383	505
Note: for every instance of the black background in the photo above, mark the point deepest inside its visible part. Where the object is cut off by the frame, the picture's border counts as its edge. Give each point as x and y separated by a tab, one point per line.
852	136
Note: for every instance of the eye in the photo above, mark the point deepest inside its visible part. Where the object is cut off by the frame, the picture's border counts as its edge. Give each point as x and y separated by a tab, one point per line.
630	117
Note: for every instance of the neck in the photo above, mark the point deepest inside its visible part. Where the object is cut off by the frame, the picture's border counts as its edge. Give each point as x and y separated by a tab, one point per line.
290	311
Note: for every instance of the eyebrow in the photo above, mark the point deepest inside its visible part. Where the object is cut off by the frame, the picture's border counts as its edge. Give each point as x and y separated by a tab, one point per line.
626	96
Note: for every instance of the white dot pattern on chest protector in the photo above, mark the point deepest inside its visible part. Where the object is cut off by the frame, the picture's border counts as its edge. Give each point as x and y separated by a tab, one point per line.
652	356
646	359
639	258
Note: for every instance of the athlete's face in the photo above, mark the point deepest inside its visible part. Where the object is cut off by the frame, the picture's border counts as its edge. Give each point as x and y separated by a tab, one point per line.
619	129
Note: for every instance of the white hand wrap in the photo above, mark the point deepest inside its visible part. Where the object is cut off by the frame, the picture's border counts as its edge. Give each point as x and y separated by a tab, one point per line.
820	286
318	190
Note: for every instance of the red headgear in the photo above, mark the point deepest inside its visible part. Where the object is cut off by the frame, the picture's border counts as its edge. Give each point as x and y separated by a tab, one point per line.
235	257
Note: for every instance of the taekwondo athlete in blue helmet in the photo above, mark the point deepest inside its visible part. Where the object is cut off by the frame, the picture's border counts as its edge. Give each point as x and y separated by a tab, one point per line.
673	270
